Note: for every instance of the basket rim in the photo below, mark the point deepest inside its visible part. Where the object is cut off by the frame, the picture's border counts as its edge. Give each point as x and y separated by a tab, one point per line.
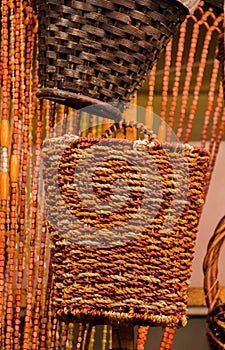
110	110
191	5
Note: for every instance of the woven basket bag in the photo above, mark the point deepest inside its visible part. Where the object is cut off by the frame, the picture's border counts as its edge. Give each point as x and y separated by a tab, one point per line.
128	260
215	325
99	51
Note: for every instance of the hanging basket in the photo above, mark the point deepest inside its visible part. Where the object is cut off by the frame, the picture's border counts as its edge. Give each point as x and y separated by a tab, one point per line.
123	217
101	51
216	317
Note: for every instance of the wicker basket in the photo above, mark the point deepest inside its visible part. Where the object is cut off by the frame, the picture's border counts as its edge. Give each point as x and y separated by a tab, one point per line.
221	57
100	50
216	316
131	263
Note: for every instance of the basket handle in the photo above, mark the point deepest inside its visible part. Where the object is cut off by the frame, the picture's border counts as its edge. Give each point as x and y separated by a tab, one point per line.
210	266
124	124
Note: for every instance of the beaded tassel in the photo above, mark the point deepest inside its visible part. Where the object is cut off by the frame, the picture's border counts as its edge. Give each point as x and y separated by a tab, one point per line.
88	337
167	340
178	66
45	318
37	304
64	336
188	77
212	87
200	73
24	155
162	127
92	340
217	113
104	337
166	80
4	141
141	337
33	231
80	336
53	337
16	95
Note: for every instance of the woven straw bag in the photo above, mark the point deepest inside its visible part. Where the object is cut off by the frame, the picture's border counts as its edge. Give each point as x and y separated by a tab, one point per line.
127	259
100	50
216	317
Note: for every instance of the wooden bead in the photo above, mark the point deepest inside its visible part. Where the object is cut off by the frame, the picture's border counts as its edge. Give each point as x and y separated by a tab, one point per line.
14	168
149	117
4	186
162	132
5	133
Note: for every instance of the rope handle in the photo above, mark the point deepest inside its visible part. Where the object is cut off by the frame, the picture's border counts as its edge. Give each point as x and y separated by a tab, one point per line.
123	124
212	286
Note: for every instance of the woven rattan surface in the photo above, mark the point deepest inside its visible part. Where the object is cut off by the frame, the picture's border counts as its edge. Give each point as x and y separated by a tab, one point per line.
216	316
102	49
143	278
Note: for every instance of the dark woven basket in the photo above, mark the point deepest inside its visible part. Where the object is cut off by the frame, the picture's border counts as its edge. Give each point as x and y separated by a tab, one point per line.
216	317
143	278
100	50
221	57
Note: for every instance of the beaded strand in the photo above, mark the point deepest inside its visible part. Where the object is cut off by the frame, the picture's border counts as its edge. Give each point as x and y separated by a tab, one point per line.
36	312
104	337
217	113
16	93
4	141
176	83
141	337
166	77
53	337
33	229
212	87
80	336
25	153
167	340
200	74
45	318
92	340
194	40
64	336
88	337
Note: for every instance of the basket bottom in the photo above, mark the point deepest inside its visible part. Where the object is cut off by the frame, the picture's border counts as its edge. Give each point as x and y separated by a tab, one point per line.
93	106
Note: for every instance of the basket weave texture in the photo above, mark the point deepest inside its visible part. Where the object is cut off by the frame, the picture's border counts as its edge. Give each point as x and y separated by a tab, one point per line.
143	278
102	49
215	324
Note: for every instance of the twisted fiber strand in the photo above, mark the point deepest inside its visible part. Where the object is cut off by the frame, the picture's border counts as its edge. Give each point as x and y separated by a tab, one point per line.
103	49
98	286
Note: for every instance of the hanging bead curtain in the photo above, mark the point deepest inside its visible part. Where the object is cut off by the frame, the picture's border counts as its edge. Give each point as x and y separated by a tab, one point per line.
26	317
